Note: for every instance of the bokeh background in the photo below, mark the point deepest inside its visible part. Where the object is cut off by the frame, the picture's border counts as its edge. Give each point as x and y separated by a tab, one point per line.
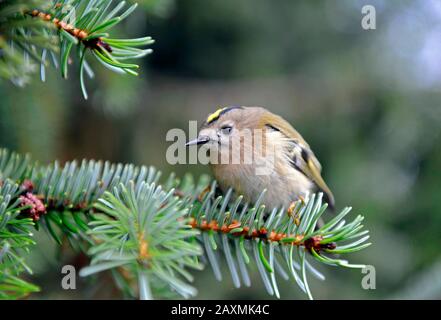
367	101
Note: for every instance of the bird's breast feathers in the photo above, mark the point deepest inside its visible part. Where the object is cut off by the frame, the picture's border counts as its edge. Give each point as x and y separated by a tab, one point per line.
270	169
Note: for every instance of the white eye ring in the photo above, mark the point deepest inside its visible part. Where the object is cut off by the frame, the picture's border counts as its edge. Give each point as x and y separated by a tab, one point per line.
226	129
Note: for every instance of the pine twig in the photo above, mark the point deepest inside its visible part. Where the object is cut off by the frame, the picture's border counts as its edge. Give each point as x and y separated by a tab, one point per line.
131	223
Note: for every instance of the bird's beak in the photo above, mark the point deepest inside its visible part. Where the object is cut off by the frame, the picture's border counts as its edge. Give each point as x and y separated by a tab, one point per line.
199	140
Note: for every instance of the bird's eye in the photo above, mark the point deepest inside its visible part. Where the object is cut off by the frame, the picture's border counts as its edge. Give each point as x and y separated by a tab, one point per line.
226	129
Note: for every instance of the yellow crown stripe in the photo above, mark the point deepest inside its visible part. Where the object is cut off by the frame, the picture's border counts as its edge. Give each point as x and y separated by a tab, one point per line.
215	115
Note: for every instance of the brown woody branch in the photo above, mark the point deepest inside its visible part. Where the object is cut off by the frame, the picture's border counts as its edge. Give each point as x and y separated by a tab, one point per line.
80	34
262	233
235	228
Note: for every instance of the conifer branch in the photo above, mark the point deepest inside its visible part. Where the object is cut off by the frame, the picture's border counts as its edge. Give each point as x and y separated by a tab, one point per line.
148	232
32	32
16	239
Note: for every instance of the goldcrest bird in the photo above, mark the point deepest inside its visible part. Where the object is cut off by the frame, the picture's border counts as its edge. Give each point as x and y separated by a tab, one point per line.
288	171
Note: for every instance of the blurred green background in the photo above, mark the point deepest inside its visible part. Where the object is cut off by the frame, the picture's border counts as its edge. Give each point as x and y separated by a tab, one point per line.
367	101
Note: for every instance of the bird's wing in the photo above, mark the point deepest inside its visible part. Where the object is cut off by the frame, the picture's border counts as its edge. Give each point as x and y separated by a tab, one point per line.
301	156
304	160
